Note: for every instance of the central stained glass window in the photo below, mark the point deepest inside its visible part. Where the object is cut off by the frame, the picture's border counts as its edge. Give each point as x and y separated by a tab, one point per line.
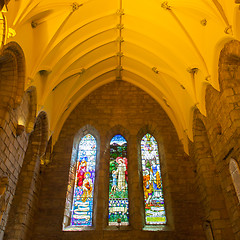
82	207
152	182
118	186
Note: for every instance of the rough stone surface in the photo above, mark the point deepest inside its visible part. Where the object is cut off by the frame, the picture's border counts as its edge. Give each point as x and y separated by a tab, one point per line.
121	108
198	189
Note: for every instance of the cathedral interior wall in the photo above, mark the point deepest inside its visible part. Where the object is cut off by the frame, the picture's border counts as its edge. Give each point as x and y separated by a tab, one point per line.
121	108
199	193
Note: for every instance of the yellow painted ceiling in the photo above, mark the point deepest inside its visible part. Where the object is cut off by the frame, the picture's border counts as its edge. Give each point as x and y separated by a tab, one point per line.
170	49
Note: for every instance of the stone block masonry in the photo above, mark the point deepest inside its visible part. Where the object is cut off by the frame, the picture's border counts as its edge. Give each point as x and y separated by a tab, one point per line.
121	108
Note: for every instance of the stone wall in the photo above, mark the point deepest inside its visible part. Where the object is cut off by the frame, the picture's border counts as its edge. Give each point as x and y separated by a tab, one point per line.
208	182
198	189
222	125
13	107
121	108
25	200
12	152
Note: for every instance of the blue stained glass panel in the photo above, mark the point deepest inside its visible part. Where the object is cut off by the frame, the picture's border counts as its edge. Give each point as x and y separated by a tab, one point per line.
118	186
152	182
82	208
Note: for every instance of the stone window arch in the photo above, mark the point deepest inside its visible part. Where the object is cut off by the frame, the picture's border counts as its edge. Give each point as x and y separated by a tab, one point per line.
118	184
235	174
154	205
80	203
121	206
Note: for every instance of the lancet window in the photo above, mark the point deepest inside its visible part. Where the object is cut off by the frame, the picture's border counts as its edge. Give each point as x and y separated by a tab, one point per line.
152	182
80	193
118	186
79	200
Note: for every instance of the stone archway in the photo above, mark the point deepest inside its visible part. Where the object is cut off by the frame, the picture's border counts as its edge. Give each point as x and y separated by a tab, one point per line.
223	123
12	78
20	218
229	66
88	129
208	182
127	116
31	93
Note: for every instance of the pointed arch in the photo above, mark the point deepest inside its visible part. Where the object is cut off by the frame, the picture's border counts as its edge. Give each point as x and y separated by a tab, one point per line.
12	78
12	74
118	211
25	200
79	206
152	182
229	64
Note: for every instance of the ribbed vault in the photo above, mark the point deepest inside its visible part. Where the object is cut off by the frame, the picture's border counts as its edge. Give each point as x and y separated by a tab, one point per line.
170	49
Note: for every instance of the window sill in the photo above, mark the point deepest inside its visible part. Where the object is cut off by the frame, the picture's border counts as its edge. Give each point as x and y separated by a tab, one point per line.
151	228
78	229
162	228
120	228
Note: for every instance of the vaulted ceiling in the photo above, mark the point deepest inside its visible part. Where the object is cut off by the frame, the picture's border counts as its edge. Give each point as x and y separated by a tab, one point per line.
170	49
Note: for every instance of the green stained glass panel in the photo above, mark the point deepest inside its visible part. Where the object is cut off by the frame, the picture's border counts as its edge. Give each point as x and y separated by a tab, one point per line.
118	186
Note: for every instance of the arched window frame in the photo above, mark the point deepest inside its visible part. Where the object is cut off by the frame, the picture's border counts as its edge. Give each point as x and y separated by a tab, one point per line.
72	171
106	144
169	225
235	174
119	223
151	182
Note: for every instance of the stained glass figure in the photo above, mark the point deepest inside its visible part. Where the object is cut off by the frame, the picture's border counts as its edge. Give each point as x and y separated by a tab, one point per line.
82	207
118	187
152	182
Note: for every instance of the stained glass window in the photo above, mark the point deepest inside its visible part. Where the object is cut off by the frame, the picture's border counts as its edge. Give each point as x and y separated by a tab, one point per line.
82	205
118	187
152	182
